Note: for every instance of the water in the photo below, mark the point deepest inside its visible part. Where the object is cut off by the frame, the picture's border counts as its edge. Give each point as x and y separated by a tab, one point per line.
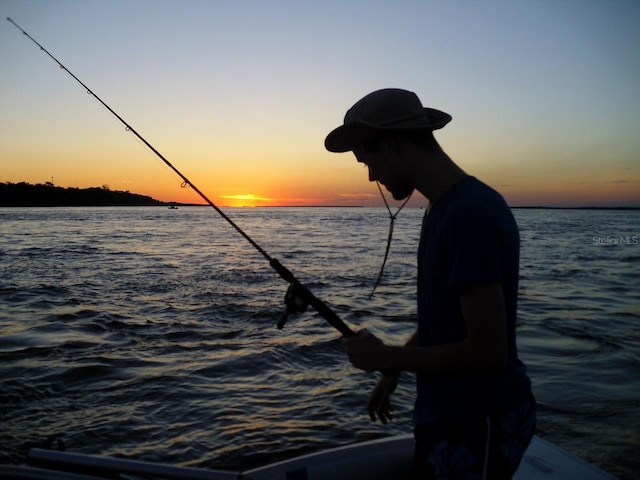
150	333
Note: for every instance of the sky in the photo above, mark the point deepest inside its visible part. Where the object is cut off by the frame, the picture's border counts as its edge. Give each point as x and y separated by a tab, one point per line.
239	95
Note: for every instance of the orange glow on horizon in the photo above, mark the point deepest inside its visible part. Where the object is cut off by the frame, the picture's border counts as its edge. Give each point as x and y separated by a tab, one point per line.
320	183
559	195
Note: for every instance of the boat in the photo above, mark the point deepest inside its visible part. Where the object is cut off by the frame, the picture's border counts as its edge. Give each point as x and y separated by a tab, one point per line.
381	459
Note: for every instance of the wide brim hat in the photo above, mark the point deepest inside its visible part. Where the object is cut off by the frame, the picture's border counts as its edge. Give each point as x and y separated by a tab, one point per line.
384	110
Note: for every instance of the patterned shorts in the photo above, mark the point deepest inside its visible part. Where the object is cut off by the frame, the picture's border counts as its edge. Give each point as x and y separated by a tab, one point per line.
475	447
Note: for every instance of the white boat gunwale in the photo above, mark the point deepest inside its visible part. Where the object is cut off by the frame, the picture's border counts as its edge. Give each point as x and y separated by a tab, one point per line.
377	459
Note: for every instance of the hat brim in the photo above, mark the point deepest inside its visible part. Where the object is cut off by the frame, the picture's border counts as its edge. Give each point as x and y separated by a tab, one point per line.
349	136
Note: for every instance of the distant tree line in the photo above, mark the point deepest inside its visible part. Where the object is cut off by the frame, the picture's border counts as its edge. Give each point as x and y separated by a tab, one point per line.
48	195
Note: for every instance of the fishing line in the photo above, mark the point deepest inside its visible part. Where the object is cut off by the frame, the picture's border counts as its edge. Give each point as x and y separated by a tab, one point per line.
392	219
298	296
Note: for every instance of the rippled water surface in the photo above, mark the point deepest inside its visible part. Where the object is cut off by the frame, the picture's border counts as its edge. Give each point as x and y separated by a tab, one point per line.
150	333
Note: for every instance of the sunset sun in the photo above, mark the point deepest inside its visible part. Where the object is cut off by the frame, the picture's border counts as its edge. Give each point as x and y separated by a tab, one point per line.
246	200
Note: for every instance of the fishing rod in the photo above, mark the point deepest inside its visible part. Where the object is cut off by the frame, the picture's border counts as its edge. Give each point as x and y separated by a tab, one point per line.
298	296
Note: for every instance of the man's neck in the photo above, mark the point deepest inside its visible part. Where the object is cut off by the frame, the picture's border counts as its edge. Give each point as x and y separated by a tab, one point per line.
438	174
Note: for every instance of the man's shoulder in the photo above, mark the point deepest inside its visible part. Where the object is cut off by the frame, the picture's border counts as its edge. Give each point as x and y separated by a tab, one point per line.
473	197
476	204
473	189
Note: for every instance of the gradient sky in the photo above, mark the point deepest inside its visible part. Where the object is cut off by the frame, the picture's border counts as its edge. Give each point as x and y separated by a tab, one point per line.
239	95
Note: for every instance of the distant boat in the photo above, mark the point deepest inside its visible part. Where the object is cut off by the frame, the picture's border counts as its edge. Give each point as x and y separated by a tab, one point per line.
173	207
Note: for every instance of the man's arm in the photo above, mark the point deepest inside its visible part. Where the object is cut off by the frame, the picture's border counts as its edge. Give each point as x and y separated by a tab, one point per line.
379	406
484	349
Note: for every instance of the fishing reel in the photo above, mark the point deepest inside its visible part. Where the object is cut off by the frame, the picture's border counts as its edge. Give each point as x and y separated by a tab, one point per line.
295	301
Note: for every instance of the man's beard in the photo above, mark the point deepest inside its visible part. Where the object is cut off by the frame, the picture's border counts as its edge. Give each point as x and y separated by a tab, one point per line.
402	192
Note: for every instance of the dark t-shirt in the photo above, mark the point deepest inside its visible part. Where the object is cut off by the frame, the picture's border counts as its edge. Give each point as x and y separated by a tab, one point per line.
469	237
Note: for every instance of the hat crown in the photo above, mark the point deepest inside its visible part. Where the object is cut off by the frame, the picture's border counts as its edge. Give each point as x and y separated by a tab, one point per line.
385	107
